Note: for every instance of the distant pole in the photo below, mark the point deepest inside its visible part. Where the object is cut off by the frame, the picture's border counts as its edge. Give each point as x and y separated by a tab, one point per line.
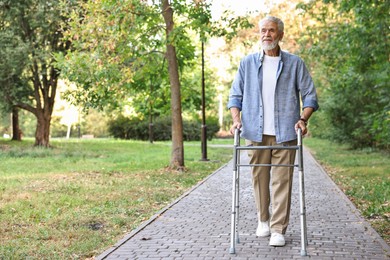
151	125
204	126
79	124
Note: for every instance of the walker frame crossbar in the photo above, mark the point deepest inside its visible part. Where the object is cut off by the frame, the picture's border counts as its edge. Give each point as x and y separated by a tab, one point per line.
234	235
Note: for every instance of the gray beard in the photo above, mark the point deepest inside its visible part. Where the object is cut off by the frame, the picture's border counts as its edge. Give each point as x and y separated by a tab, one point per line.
271	46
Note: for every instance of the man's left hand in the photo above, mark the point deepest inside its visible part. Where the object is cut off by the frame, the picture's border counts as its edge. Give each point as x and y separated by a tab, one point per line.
302	125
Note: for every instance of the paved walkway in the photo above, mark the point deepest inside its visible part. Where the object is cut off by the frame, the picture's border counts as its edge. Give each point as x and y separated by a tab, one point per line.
197	225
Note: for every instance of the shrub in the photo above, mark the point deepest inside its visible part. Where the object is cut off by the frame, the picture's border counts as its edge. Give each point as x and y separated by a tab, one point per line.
126	128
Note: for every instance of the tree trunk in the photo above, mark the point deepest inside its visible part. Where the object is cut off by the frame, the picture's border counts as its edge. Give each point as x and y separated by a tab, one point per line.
45	88
16	132
177	155
42	133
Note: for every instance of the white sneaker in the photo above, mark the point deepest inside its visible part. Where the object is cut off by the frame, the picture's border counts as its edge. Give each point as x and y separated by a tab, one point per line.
263	229
277	240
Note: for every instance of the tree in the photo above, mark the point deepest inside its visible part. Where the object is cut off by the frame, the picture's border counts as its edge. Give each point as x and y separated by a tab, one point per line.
177	157
114	43
136	70
33	30
349	50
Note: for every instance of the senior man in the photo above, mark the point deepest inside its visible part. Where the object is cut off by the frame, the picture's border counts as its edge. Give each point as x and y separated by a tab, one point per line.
265	103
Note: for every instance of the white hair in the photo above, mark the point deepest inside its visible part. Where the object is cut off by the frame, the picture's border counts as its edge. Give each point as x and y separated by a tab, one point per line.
274	19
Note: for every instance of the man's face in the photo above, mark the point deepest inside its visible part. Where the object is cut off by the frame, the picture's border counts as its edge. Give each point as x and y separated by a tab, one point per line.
270	35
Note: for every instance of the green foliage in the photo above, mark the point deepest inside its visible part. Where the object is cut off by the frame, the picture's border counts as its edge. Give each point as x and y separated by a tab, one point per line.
31	32
94	123
13	61
123	56
348	52
136	129
119	53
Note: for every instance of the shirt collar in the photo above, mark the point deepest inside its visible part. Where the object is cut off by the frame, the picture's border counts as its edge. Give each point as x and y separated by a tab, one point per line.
262	54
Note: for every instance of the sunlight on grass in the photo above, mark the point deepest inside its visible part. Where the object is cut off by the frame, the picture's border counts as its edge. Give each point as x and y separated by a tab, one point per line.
79	197
363	175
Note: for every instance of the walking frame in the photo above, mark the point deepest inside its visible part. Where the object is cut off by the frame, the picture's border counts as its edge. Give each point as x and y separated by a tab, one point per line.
234	236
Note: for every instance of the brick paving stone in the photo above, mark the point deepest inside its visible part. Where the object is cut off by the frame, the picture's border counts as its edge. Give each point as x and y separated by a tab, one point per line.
197	225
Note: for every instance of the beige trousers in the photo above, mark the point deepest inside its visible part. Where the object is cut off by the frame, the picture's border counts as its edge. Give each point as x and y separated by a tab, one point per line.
281	182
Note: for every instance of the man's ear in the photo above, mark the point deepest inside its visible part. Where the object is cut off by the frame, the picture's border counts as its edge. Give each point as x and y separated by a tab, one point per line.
281	36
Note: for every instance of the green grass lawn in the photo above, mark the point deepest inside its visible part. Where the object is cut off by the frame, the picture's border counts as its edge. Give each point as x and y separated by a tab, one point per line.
363	175
80	197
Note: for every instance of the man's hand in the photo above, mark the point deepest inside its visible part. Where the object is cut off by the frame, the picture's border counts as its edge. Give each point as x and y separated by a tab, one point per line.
236	125
302	122
302	125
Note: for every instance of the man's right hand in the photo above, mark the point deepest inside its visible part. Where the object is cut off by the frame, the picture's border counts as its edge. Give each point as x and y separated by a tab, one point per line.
236	125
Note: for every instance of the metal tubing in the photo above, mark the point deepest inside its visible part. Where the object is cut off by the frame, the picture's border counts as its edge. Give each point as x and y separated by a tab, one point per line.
234	229
238	194
277	165
302	195
303	215
251	147
234	238
233	217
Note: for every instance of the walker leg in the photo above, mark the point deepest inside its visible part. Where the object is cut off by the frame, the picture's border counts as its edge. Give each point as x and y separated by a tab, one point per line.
303	215
238	201
304	241
234	238
233	230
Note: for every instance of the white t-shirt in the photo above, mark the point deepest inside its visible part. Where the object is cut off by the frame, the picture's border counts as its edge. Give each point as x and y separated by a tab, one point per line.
270	68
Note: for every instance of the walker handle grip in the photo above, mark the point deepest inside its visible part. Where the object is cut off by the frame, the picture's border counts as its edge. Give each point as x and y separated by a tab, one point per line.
299	134
237	136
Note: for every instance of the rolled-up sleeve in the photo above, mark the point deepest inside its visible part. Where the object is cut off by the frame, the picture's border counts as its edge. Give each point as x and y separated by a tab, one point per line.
306	87
236	91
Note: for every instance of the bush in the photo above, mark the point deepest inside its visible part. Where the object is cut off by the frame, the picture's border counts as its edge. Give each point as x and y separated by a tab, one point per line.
126	128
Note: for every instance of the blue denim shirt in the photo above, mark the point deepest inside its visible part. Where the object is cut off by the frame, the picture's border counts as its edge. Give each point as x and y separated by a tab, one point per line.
293	83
